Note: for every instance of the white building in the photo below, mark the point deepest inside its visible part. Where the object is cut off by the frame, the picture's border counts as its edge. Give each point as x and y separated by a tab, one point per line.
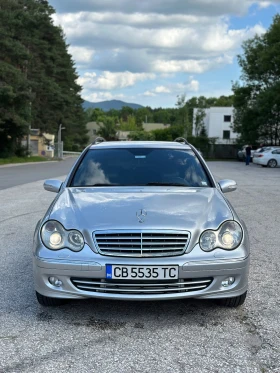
218	122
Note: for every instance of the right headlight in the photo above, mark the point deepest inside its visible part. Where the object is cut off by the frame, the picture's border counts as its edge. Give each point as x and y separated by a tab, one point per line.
227	237
56	237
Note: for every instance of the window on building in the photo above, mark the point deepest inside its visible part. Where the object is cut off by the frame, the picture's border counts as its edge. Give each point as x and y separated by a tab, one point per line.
226	135
227	118
94	132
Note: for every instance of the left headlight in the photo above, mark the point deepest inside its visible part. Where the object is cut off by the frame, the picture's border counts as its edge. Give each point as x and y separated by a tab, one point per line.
56	237
227	237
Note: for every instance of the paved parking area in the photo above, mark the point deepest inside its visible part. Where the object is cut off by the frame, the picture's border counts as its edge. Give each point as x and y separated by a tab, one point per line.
176	336
12	175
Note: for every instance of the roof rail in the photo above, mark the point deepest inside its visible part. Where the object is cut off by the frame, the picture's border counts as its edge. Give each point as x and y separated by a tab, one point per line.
182	140
98	140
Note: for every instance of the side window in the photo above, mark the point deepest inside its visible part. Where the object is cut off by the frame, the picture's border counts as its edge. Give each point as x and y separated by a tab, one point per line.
275	152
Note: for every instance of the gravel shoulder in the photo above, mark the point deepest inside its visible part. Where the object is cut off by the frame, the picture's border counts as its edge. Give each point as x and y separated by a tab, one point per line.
114	336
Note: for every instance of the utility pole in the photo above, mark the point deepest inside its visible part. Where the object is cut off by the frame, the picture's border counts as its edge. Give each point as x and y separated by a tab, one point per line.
59	142
28	140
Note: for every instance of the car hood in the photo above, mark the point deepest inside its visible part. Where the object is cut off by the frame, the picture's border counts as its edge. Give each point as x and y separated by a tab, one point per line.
90	209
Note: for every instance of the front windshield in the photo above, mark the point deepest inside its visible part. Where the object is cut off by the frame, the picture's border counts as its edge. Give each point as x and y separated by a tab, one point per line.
140	167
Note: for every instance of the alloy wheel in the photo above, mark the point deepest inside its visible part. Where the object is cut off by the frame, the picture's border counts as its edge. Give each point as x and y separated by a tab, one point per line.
272	163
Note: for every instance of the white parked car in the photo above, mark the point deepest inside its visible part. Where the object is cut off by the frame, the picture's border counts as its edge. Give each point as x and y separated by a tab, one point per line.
270	157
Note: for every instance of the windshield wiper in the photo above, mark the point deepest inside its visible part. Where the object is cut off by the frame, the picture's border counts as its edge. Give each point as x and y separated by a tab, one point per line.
103	185
168	184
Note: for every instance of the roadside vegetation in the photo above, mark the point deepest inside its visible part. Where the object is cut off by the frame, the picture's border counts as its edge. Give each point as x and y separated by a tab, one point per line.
256	97
37	78
9	160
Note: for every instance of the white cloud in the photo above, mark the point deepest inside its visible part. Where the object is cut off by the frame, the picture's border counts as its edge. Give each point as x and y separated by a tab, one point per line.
81	55
162	89
127	43
108	80
221	39
152	42
191	66
167	7
191	85
149	93
265	4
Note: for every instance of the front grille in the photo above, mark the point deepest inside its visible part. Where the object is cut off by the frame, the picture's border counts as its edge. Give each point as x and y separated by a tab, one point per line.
136	243
141	287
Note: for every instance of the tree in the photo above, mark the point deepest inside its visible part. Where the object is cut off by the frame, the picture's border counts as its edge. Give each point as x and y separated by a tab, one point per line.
107	128
141	136
256	101
125	112
199	121
203	132
183	115
93	114
37	76
142	115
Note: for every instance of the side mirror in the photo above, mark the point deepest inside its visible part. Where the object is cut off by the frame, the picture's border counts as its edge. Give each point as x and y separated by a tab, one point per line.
228	185
52	185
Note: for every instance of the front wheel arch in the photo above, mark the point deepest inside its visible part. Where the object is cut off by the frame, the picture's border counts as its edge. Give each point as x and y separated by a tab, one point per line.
272	163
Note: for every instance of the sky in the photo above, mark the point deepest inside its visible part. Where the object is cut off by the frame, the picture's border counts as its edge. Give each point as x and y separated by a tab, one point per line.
150	51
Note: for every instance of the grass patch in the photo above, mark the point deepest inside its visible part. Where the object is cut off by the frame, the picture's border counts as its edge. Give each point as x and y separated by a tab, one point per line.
23	160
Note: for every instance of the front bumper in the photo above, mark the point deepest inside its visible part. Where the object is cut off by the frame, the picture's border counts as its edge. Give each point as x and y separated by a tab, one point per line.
190	268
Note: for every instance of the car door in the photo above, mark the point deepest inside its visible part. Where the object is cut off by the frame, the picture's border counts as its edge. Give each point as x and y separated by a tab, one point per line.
275	154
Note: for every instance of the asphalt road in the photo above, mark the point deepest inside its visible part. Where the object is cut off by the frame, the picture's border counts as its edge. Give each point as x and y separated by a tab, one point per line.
21	174
109	336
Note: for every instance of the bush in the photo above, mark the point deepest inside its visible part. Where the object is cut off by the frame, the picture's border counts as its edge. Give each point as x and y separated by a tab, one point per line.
141	136
168	134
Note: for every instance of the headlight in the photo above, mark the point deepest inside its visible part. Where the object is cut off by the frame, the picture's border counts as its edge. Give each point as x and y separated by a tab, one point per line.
227	237
56	237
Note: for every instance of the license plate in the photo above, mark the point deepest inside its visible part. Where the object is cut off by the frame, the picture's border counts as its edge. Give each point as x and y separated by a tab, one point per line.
120	272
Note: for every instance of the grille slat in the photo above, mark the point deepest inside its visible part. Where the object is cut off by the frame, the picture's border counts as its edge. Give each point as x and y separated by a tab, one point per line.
93	282
101	285
141	243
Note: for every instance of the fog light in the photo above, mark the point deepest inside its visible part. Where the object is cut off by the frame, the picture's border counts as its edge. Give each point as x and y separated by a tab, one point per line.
55	281
228	281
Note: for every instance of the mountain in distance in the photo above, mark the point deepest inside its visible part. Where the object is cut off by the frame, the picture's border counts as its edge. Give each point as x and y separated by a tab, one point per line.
108	105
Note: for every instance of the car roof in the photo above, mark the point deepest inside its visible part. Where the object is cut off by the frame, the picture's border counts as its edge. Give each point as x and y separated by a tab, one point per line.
140	144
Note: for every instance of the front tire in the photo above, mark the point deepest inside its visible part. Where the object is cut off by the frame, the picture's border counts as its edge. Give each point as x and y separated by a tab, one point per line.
232	302
272	163
49	302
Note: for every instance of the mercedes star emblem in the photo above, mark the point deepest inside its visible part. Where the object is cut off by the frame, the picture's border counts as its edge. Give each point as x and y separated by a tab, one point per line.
141	215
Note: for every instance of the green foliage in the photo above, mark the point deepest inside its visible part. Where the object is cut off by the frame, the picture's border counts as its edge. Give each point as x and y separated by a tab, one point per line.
183	118
142	115
132	119
141	136
203	132
22	159
199	122
168	134
256	102
130	125
108	128
37	77
93	114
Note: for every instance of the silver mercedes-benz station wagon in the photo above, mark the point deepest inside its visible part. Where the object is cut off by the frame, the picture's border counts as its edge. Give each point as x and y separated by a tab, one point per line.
141	221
